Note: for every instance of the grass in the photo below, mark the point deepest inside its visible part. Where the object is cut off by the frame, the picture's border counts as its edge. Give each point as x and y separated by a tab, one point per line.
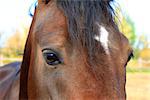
138	85
138	70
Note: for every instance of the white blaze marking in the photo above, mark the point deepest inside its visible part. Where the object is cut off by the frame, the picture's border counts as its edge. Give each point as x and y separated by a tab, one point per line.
103	38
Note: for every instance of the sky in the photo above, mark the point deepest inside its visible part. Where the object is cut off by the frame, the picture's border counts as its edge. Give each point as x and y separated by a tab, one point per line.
138	11
15	13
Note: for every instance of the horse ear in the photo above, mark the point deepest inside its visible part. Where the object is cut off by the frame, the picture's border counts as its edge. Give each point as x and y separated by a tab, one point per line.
44	1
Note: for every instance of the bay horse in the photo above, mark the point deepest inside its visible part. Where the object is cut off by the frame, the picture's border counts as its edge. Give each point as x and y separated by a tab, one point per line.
9	81
74	51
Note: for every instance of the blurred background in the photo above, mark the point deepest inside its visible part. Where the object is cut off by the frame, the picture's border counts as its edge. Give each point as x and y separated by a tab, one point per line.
134	20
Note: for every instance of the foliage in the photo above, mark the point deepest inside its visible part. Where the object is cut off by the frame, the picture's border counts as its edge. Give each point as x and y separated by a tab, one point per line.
138	70
128	29
145	53
15	44
143	47
139	44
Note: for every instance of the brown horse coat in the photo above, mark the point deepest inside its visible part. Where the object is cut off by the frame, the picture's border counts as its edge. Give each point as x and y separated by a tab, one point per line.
9	81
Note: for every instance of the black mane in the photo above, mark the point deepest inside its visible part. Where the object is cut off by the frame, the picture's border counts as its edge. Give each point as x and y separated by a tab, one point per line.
83	17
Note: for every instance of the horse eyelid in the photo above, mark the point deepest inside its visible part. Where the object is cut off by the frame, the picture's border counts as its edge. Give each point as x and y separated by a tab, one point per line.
53	50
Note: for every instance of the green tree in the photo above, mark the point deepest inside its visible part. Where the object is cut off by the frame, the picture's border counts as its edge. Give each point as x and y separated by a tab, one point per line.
127	27
15	44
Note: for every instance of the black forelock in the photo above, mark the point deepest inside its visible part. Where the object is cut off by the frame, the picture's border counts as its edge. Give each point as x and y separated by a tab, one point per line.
82	18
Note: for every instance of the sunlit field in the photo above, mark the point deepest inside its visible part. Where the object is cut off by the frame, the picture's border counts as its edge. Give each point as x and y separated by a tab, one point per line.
138	80
138	86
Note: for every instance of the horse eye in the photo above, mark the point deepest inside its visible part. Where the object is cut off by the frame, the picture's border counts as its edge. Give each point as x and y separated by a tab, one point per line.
51	57
130	56
46	1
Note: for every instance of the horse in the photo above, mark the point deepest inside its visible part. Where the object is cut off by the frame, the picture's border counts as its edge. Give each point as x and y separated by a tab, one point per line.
9	81
74	51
